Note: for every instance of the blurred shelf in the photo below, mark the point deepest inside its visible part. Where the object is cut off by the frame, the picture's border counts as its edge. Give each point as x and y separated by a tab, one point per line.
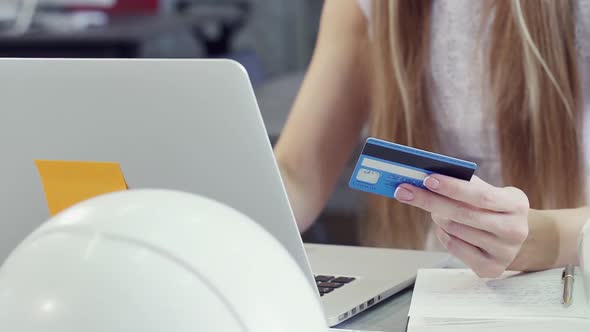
123	37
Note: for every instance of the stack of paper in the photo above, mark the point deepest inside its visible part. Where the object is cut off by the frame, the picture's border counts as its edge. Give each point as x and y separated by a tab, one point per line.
457	300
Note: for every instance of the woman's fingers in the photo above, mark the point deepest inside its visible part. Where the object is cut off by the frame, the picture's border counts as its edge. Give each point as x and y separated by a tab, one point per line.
480	262
478	193
449	209
511	227
480	224
487	242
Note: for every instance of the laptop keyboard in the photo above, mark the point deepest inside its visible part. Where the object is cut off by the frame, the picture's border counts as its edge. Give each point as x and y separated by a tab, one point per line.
327	284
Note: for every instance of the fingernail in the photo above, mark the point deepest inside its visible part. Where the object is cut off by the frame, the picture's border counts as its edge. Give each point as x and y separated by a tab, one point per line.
431	183
403	194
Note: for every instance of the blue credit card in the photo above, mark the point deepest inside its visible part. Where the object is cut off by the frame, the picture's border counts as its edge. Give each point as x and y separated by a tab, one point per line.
382	166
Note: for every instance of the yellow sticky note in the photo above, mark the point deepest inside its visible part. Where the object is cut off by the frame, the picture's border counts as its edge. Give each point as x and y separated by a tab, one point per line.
69	182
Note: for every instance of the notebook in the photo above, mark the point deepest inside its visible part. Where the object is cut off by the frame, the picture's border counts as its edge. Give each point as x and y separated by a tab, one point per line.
457	300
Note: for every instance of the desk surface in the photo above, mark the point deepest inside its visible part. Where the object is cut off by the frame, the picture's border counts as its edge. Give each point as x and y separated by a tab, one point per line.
388	316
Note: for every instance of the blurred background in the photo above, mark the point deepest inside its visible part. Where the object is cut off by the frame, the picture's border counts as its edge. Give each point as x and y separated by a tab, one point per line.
273	39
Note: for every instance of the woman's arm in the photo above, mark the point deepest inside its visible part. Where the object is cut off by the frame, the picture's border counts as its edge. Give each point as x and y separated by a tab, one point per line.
329	112
553	239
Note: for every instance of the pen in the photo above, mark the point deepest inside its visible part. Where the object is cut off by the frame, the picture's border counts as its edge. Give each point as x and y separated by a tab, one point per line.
568	284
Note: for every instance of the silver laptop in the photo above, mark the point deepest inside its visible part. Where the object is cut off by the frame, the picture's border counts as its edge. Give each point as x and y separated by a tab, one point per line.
190	125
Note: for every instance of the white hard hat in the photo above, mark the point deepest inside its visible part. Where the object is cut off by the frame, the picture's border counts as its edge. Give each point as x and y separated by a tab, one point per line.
154	260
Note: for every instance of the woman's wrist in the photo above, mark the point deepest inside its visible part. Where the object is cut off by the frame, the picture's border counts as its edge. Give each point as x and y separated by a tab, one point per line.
552	240
541	250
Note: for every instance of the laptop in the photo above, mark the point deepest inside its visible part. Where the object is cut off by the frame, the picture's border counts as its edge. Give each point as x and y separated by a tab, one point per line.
190	125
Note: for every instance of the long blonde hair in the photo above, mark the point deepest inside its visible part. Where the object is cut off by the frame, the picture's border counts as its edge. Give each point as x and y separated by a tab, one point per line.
534	95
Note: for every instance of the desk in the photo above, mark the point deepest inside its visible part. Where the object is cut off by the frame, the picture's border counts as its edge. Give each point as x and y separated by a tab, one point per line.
390	315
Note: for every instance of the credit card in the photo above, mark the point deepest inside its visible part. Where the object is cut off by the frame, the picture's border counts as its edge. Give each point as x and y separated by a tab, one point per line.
383	166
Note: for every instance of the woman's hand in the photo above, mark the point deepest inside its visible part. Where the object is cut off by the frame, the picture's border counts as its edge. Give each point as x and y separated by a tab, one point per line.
482	225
